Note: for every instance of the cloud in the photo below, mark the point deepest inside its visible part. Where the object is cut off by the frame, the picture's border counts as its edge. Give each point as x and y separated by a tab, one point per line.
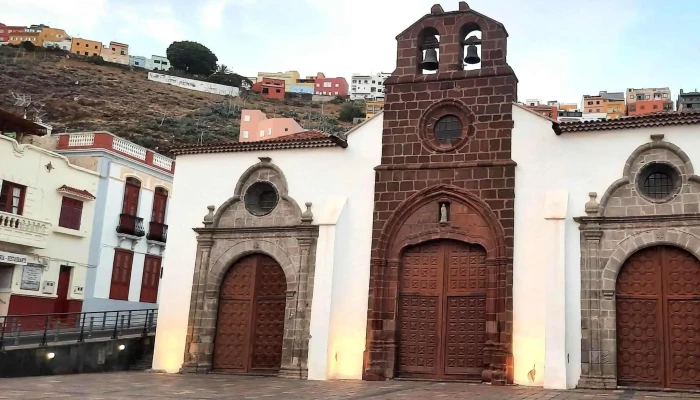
158	23
211	14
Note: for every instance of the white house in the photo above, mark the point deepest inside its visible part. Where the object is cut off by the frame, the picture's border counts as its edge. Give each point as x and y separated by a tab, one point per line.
157	63
295	215
129	235
369	87
47	207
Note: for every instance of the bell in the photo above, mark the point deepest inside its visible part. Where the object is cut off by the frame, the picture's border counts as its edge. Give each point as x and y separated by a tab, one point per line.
472	55
430	61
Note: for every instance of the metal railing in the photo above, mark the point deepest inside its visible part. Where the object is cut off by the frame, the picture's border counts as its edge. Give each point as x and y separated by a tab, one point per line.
157	232
42	329
130	225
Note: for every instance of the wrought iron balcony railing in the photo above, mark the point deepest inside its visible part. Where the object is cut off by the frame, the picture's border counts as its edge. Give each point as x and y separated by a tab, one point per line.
130	225
157	232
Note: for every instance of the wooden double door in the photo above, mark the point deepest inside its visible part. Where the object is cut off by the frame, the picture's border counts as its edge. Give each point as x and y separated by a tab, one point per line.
250	322
658	319
442	311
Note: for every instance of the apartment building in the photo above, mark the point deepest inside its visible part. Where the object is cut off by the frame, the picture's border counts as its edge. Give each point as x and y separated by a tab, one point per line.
368	86
47	210
289	77
256	126
688	101
130	231
157	63
85	47
330	86
116	52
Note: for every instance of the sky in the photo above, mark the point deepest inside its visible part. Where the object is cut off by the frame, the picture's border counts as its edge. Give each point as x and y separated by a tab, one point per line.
560	50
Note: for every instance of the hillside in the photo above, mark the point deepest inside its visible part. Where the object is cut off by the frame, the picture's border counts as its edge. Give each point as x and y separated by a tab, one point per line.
79	96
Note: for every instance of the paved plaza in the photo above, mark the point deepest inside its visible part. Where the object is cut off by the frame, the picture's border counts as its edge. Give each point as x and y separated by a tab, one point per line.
142	385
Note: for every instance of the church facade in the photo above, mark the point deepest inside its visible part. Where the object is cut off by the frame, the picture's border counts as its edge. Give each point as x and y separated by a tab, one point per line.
455	236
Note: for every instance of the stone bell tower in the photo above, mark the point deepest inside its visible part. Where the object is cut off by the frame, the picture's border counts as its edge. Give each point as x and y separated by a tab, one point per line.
440	299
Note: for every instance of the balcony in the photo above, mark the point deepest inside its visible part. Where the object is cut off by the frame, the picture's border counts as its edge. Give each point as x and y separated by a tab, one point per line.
157	232
130	225
23	231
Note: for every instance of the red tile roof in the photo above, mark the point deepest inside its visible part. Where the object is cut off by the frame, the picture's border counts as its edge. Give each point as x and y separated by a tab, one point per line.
76	192
301	140
638	121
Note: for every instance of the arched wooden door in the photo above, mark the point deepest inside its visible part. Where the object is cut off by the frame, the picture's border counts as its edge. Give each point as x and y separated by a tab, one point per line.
442	311
250	322
658	319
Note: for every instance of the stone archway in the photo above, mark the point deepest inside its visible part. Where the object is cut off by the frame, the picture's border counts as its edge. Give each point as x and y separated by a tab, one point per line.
231	235
626	222
418	220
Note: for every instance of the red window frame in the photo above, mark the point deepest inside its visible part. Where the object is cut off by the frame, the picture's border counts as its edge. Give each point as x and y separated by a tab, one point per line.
121	274
71	213
6	203
132	190
150	279
160	203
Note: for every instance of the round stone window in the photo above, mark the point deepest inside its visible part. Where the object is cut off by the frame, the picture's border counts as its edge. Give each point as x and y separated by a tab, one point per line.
448	130
446	126
261	198
659	182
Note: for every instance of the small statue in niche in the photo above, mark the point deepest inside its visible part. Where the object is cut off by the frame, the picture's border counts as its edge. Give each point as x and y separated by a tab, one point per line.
443	213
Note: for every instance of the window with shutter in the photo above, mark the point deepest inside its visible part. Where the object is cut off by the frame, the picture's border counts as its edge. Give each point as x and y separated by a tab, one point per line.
12	197
121	274
71	213
150	280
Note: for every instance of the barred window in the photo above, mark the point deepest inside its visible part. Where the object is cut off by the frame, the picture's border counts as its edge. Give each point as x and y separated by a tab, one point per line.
448	130
261	198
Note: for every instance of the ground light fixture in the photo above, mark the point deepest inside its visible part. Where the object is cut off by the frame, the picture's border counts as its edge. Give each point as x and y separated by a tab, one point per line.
50	355
121	347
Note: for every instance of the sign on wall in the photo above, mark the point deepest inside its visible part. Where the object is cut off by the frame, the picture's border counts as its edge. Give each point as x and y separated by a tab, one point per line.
191	84
12	258
31	277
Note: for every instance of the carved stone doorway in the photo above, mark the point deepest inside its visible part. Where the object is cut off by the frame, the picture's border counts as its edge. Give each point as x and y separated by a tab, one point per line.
658	319
250	322
442	311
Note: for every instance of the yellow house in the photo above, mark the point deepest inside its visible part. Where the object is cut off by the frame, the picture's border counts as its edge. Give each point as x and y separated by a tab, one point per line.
290	77
85	47
373	108
53	35
34	38
568	106
615	108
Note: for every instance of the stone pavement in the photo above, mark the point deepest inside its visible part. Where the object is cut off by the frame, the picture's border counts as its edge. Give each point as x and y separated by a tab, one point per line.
141	385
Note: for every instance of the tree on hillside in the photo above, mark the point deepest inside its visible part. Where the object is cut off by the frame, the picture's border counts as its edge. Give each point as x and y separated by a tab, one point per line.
28	46
192	57
222	69
230	79
350	110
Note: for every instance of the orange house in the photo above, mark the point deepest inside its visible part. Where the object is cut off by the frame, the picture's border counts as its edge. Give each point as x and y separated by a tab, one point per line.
256	126
270	88
85	47
641	107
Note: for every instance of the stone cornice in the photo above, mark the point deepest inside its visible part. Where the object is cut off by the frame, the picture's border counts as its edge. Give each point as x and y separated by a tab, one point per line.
598	222
294	230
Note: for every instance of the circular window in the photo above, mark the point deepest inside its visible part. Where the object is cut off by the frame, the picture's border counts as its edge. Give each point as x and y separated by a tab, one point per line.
448	130
659	182
261	198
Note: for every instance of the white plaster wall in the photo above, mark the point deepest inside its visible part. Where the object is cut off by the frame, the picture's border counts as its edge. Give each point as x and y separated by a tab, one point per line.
579	163
192	84
26	165
313	175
